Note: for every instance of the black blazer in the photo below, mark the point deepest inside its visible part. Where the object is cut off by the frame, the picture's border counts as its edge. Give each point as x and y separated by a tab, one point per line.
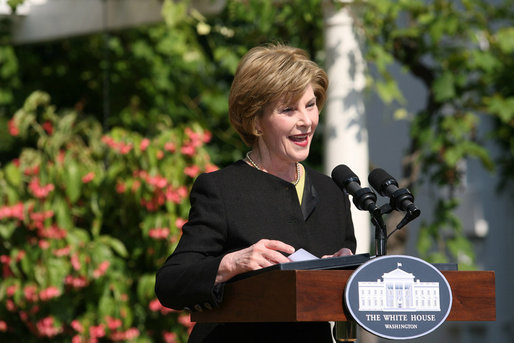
234	208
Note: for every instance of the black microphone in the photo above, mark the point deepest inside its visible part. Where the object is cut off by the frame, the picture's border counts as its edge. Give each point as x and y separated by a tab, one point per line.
401	198
364	198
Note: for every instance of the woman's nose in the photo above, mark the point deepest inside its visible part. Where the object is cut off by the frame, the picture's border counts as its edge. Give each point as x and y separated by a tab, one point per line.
304	118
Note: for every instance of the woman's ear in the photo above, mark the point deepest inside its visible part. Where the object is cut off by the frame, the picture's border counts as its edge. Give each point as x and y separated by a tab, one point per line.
257	127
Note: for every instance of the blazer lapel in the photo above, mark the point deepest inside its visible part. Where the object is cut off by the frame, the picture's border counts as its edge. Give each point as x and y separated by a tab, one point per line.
310	198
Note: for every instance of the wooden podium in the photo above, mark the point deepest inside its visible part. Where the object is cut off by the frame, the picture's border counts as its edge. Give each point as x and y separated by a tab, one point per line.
317	295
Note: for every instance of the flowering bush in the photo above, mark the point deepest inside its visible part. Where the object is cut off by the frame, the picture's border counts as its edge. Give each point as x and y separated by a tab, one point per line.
86	218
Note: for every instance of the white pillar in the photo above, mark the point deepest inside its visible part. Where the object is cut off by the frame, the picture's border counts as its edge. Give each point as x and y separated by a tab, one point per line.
346	136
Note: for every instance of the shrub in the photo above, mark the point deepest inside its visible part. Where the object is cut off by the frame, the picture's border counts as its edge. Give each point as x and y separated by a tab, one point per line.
86	218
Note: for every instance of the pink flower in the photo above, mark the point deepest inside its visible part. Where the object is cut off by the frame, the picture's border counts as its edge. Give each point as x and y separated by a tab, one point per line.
159	233
38	190
193	136
62	252
14	211
31	170
11	290
75	263
10	306
120	187
77	326
43	244
144	144
159	154
21	254
52	232
113	323
207	136
108	140
47	126
131	333
192	171
125	149
41	216
23	316
3	326
46	327
210	168
77	339
135	185
76	282
155	305
188	150
97	331
157	181
172	195
182	191
102	268
179	222
185	320
169	337
170	146
13	129
125	336
30	293
88	177
49	293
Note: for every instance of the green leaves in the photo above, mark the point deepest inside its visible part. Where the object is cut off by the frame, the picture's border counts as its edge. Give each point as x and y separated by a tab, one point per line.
505	39
72	180
444	87
502	107
462	53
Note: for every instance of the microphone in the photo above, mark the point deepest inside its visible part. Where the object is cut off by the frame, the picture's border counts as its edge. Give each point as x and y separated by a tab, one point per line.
401	199
363	198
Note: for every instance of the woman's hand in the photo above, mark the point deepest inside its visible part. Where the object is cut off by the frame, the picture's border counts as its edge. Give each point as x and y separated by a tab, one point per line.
262	254
340	252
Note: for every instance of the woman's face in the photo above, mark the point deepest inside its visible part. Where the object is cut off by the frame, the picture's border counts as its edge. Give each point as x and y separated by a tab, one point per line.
287	129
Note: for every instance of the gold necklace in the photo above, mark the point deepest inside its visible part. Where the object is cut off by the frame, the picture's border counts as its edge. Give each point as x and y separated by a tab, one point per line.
258	168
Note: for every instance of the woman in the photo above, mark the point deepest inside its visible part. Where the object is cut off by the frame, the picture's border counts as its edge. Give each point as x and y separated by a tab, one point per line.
255	212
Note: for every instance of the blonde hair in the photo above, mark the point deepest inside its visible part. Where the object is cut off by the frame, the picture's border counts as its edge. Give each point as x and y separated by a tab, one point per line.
265	75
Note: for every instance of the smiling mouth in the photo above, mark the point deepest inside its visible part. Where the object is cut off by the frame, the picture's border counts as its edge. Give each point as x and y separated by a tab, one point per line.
299	138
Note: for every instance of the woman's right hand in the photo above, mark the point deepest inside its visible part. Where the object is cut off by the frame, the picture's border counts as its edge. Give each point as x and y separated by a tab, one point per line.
262	254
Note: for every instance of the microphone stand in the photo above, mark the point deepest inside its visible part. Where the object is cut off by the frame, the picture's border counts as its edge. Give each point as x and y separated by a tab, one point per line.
380	231
381	235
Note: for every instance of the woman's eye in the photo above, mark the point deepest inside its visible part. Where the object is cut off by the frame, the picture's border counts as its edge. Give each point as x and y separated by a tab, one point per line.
287	110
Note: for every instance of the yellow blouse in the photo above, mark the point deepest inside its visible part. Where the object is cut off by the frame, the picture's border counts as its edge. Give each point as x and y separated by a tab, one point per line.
301	184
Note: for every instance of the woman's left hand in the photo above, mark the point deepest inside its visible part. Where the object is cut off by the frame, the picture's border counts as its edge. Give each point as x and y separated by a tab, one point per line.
340	252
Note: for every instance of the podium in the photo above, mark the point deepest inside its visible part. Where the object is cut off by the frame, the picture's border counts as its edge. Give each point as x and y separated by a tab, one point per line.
317	295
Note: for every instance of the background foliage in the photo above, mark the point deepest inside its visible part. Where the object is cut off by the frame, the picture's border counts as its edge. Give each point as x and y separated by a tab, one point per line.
463	53
87	218
96	168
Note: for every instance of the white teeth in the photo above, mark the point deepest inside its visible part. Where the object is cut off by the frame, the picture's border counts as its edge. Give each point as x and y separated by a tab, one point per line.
298	138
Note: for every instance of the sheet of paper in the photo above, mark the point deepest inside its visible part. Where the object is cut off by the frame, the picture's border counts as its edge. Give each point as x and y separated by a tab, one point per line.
302	255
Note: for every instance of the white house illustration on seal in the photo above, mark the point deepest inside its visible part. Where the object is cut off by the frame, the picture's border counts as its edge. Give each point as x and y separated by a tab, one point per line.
398	292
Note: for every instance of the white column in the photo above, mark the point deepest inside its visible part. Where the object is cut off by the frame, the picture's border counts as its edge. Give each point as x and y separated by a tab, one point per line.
346	136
